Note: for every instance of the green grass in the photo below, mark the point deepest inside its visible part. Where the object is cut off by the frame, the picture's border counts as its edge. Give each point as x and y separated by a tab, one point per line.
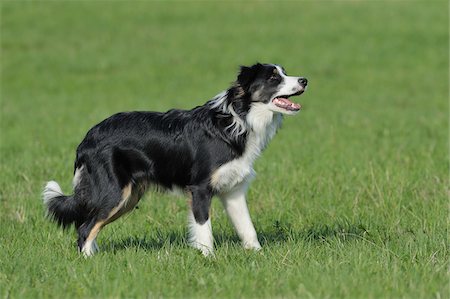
351	196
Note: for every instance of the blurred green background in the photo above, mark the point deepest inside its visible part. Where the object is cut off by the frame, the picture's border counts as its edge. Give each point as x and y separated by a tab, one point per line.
351	196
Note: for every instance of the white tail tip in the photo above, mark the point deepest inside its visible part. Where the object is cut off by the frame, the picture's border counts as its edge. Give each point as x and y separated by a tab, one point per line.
51	190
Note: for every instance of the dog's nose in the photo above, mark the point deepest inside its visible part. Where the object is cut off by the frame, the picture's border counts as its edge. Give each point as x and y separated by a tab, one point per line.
303	81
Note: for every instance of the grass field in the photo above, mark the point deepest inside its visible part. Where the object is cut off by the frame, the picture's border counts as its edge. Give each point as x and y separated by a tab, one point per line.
351	196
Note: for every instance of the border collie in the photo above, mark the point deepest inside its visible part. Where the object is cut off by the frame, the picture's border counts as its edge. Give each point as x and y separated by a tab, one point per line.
207	151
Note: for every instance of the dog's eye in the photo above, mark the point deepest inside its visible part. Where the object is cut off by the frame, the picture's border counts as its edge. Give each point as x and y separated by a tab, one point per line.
275	77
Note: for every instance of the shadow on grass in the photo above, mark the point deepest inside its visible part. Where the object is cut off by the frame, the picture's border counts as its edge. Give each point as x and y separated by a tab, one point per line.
162	240
276	233
283	232
148	243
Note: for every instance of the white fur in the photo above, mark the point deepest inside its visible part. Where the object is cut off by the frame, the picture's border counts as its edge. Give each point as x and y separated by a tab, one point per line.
200	235
262	125
90	248
235	205
51	191
237	126
77	176
219	101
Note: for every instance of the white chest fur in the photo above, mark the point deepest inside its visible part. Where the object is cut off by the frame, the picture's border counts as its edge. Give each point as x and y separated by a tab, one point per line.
262	125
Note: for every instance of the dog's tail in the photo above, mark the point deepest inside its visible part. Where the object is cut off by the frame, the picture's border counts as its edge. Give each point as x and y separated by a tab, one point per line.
63	209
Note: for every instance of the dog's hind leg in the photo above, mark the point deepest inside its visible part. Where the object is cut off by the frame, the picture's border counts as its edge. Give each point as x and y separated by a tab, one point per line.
88	231
200	231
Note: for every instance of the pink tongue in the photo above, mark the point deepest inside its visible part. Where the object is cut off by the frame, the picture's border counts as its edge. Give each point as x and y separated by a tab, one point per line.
286	104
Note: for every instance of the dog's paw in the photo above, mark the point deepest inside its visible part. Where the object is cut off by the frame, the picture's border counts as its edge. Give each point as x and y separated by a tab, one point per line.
205	250
254	245
89	249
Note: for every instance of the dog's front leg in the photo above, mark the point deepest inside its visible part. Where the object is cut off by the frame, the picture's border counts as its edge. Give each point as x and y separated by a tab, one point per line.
235	205
200	231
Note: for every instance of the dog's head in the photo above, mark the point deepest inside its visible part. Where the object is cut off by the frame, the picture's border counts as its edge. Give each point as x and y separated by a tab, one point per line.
268	84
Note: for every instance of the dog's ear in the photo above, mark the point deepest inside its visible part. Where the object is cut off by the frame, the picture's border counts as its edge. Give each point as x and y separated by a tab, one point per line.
247	75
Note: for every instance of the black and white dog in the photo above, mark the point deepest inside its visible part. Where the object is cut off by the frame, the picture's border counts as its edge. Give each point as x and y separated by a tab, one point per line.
206	151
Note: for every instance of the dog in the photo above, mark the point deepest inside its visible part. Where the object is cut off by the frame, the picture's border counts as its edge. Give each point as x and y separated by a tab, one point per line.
207	151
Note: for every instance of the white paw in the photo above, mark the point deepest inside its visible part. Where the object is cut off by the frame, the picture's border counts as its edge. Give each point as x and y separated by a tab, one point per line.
204	249
253	245
89	248
87	252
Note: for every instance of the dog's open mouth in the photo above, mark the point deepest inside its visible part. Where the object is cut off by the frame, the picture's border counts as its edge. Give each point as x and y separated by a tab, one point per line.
284	102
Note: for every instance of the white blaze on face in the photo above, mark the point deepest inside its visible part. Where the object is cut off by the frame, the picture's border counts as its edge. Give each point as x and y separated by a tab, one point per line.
290	85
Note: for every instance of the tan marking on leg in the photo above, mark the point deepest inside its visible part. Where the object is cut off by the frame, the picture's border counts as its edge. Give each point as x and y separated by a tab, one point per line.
129	200
95	230
90	246
126	192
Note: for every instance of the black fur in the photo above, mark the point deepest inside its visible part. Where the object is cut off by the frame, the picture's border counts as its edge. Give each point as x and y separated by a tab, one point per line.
66	210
